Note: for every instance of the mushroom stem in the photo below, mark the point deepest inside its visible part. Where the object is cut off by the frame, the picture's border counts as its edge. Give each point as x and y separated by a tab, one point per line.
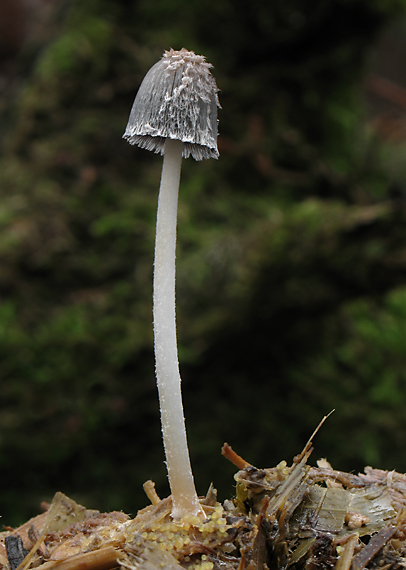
184	496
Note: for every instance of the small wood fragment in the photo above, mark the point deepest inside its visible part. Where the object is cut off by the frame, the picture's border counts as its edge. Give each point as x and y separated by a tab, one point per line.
377	542
232	456
211	497
15	550
102	559
308	445
150	491
141	554
346	553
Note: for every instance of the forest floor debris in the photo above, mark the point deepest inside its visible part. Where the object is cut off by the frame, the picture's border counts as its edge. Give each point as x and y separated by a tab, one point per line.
294	517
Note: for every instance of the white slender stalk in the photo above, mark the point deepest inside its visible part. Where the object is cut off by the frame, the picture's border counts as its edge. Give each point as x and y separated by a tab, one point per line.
184	496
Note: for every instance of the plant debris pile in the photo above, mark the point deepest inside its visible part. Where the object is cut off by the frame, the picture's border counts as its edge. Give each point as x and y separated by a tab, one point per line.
284	517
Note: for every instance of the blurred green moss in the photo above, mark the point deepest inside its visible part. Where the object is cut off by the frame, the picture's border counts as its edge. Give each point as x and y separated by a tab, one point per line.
291	265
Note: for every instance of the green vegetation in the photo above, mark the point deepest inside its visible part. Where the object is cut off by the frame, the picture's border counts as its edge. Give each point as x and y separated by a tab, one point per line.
291	261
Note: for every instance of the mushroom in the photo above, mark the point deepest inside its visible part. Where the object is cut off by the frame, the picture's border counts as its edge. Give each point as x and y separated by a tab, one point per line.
174	114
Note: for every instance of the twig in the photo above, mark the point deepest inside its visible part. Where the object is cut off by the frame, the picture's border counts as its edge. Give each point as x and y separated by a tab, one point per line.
150	491
232	456
102	559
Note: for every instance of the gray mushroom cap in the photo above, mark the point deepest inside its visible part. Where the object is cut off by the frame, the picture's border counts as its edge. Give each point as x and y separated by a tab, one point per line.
178	100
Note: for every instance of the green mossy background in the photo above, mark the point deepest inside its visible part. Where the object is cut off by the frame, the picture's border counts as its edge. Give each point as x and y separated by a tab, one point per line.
291	278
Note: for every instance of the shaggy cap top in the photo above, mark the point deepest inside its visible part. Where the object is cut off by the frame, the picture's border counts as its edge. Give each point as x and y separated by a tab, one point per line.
178	100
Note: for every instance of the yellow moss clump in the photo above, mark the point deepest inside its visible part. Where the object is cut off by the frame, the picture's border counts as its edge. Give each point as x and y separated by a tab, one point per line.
185	538
202	564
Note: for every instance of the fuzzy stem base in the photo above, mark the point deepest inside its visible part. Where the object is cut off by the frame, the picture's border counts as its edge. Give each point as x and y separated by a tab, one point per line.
184	496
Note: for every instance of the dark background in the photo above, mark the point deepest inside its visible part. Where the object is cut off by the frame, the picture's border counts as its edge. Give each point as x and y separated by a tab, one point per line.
291	278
